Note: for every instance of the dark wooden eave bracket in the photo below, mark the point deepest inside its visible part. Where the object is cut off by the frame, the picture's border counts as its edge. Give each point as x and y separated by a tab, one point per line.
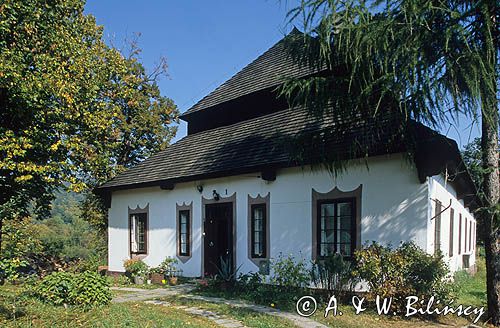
167	186
268	175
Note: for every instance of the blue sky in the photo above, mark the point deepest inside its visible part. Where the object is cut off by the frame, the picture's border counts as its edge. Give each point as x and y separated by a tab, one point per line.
205	42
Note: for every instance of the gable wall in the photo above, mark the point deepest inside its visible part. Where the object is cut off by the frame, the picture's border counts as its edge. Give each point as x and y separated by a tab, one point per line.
394	208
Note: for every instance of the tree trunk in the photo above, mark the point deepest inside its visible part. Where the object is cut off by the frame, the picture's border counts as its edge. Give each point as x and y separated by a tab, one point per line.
1	234
490	217
489	149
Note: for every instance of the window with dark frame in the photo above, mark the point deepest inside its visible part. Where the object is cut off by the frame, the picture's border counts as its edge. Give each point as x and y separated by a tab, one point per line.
138	233
470	236
474	237
184	233
258	231
465	236
336	227
437	226
452	219
459	233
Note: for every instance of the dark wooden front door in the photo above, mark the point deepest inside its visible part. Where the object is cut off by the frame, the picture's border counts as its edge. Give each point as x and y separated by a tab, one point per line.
218	239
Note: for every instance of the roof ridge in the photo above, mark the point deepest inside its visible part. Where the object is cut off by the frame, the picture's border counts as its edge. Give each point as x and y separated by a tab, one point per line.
232	76
210	100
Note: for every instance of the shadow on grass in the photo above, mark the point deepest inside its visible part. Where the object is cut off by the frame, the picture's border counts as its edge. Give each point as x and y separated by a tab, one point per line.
9	312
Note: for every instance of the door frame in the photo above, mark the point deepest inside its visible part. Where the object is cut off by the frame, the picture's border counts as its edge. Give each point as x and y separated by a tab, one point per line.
204	202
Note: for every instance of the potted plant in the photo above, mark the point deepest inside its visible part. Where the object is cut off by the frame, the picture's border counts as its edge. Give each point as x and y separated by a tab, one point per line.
171	271
157	275
136	269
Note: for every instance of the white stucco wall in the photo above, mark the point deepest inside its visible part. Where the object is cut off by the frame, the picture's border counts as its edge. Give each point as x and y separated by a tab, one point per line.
394	209
444	192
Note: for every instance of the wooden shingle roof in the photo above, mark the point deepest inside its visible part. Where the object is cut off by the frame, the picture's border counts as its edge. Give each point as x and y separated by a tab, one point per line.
269	70
248	146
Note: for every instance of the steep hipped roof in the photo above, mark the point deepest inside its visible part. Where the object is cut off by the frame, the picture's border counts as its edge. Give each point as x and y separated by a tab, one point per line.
268	70
266	142
247	146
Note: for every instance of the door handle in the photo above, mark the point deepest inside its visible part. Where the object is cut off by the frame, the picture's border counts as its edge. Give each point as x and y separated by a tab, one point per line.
211	244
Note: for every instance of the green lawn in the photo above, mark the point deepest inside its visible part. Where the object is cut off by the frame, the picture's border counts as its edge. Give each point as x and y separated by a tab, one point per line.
247	317
472	289
16	311
32	313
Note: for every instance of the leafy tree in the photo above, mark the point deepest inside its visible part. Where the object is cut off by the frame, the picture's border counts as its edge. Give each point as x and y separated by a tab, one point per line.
423	59
72	109
471	154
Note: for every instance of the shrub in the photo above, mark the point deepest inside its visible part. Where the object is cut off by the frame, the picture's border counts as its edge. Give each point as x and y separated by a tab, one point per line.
288	273
88	289
401	272
55	288
424	272
333	274
19	247
253	288
135	267
225	270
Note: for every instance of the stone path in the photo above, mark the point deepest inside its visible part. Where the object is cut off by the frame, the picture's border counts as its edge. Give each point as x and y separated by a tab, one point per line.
298	321
138	294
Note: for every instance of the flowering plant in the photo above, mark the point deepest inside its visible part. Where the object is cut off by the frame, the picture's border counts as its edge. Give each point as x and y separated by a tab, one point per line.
135	267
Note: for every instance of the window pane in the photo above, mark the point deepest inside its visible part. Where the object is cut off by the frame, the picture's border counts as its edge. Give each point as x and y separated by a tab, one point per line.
326	249
330	223
258	225
345	249
344	237
330	236
140	232
323	236
183	232
344	209
183	216
258	249
140	226
345	222
335	225
327	209
258	233
258	213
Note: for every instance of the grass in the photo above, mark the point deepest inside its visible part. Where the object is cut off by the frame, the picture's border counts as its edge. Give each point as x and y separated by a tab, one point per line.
370	319
247	317
16	311
472	289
